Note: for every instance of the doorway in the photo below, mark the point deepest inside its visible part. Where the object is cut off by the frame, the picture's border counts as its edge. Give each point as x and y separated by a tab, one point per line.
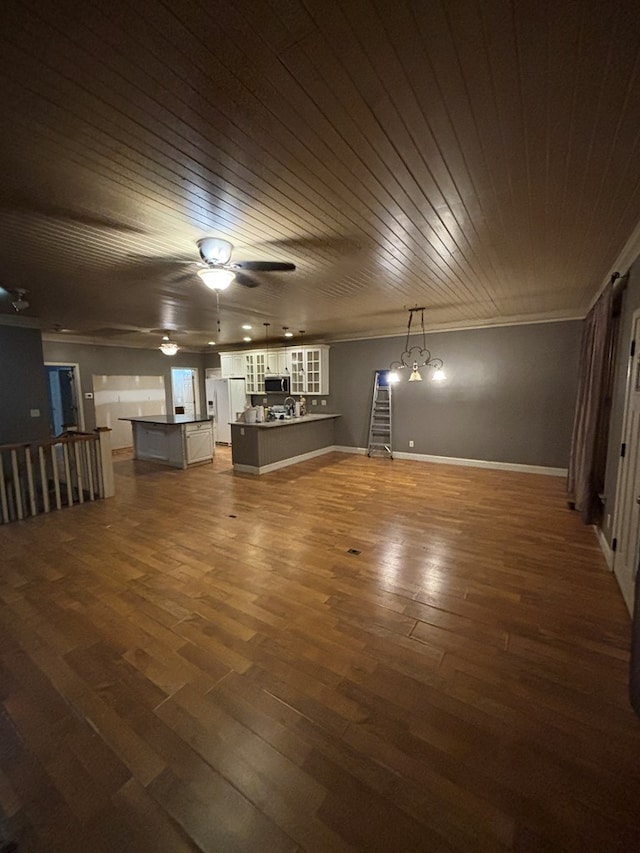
627	507
63	383
185	391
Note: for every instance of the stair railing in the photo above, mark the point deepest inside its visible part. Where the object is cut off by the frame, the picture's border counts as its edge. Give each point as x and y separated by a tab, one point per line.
39	476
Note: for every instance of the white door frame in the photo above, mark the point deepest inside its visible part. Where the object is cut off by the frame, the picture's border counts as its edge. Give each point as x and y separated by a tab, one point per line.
623	461
76	383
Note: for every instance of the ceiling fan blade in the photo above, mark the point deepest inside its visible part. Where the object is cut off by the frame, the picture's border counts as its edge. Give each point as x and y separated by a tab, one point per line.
263	266
22	204
246	280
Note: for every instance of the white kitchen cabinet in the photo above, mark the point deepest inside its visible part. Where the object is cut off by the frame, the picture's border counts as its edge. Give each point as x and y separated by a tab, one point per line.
310	370
255	363
277	362
199	441
232	365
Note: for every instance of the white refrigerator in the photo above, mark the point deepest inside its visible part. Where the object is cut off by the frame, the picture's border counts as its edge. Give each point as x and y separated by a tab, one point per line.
225	399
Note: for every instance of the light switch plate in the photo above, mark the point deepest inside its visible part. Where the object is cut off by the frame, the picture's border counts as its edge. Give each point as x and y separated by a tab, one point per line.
35	413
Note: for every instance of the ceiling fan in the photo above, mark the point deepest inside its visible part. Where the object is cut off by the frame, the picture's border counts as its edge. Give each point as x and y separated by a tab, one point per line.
18	301
218	270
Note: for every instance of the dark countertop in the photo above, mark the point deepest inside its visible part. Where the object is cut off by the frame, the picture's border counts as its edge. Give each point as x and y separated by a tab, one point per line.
303	419
169	420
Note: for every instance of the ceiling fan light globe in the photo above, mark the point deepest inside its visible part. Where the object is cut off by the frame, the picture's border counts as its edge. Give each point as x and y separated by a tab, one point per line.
217	279
169	347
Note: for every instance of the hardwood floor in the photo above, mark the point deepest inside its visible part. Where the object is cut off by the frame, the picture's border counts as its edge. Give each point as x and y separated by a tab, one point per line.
200	663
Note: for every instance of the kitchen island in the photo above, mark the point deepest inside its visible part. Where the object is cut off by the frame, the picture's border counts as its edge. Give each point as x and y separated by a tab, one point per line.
176	440
262	447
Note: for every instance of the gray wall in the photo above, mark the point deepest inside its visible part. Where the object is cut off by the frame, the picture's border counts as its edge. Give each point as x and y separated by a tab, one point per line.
23	386
120	361
509	395
630	303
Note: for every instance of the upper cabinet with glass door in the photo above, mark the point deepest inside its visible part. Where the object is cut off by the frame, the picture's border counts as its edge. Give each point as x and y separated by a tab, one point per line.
310	370
255	363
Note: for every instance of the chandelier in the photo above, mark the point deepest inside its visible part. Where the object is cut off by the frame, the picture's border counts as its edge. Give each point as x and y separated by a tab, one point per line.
168	347
415	357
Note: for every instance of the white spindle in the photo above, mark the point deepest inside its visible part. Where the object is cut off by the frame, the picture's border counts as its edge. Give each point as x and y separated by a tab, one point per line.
88	455
67	472
43	479
76	454
30	486
56	475
17	488
3	493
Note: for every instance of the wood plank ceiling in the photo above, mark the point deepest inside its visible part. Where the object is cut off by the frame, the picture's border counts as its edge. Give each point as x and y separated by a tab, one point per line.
478	158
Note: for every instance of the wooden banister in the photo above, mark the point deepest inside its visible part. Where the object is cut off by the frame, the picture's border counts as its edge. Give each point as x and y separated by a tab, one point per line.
38	476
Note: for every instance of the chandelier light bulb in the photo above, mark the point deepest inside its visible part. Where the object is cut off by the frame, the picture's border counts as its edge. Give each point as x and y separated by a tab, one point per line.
415	373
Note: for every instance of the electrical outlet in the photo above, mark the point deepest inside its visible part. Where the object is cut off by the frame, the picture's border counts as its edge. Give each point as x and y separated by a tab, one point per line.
323	402
264	401
411	444
314	402
241	430
35	413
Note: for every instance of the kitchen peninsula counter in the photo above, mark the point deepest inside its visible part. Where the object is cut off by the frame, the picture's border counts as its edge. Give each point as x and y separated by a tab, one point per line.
262	447
176	440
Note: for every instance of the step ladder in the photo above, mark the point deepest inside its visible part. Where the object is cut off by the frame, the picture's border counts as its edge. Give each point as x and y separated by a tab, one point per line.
380	433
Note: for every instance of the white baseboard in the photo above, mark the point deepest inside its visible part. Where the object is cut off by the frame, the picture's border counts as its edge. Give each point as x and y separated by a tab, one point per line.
473	463
284	463
343	448
416	457
604	546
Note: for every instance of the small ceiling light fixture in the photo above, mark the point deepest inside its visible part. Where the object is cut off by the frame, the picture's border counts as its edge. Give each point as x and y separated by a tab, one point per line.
211	343
168	347
247	327
266	338
286	331
20	303
246	339
416	357
217	279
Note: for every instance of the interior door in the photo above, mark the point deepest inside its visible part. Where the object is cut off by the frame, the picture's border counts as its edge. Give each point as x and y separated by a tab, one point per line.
183	381
627	520
63	398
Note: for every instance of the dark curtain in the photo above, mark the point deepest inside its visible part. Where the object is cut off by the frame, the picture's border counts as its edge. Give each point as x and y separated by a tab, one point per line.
590	426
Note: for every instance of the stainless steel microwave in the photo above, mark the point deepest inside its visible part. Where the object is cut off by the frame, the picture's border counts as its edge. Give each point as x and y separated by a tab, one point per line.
277	384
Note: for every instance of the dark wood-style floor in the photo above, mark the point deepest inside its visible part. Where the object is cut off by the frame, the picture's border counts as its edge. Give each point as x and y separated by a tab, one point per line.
200	663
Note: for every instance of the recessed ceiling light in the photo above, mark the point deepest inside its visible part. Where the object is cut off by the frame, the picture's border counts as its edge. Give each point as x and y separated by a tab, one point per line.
286	331
247	327
211	343
246	339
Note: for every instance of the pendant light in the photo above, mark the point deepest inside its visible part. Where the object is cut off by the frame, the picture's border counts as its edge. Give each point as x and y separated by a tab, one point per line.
267	369
415	357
